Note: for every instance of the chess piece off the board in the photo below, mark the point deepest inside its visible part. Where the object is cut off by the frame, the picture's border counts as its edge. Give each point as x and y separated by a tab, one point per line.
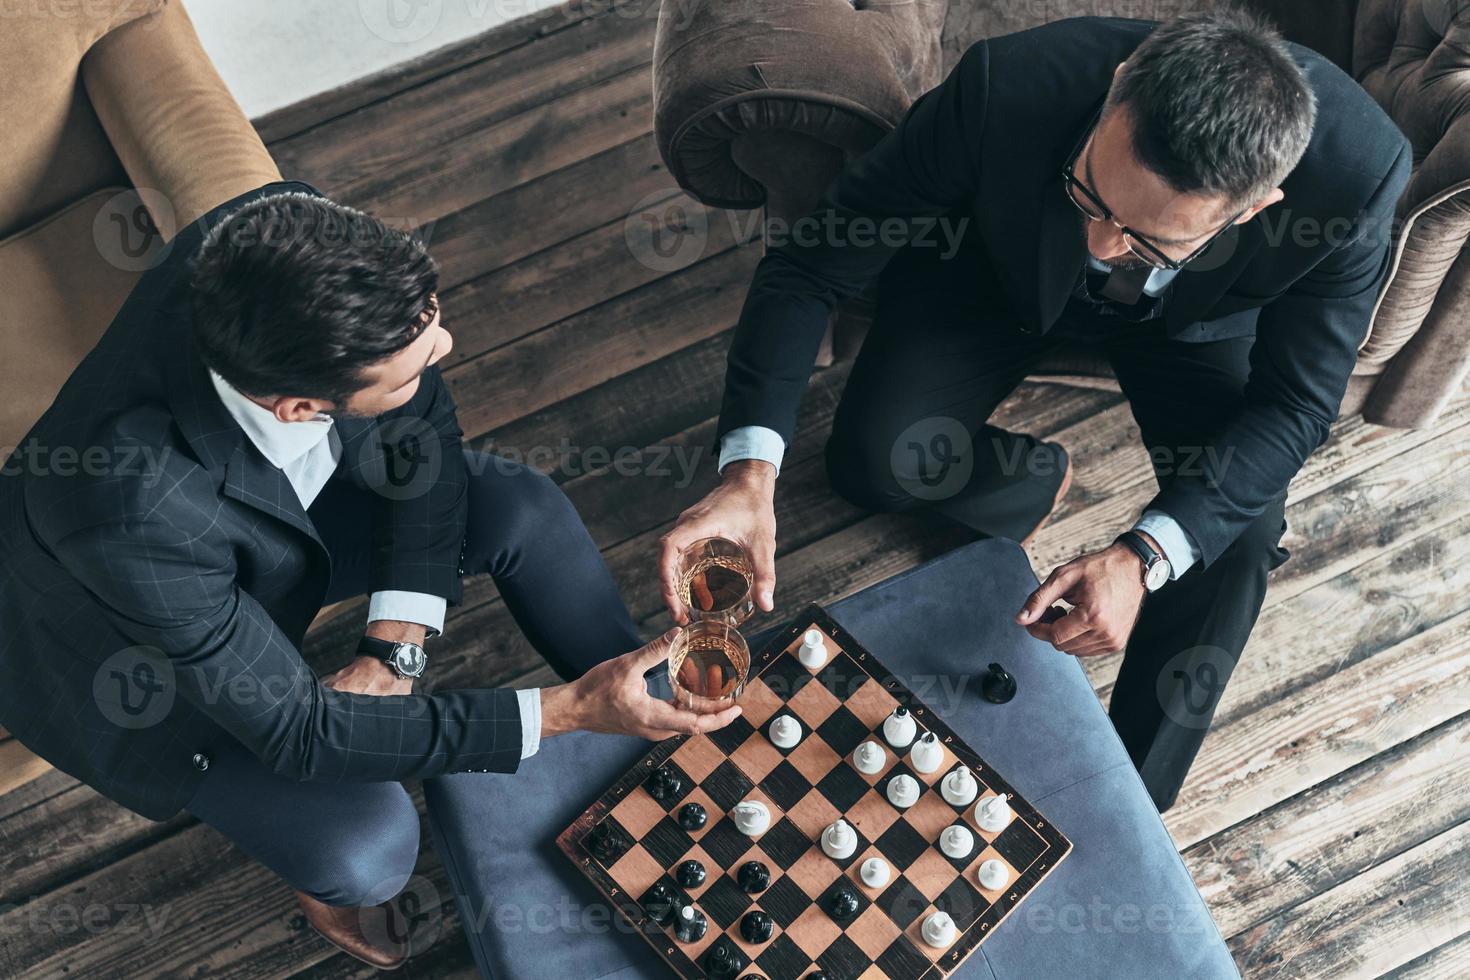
839	840
993	875
998	686
868	757
993	813
959	787
753	877
903	791
938	930
785	731
752	817
926	755
813	650
899	728
874	872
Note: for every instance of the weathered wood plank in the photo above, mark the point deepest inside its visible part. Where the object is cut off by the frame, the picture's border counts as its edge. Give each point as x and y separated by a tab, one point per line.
18	766
1449	962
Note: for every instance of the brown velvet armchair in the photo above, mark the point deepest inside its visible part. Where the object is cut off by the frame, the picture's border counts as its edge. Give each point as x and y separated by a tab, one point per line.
757	103
118	132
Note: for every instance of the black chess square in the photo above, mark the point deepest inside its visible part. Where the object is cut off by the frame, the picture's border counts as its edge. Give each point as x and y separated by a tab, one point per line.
843	960
1019	845
723	948
901	844
785	785
727	785
686	786
903	959
785	901
783	958
725	901
726	843
842	676
843	787
843	731
785	843
667	842
963	902
786	676
903	902
732	736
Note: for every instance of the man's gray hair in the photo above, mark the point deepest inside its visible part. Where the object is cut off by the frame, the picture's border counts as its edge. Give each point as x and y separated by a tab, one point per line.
1218	105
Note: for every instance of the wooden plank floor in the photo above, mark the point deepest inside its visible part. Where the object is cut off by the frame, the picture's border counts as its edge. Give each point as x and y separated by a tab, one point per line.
1321	822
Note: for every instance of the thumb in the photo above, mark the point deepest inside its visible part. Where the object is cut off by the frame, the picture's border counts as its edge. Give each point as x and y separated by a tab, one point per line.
654	652
1056	584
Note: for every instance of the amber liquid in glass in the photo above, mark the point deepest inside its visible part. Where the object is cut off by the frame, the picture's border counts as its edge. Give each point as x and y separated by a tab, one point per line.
708	667
717	585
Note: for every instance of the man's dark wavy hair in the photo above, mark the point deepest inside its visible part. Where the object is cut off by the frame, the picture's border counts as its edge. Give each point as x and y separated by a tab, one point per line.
295	295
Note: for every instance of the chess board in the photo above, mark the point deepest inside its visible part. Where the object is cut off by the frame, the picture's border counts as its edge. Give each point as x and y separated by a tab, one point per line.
806	788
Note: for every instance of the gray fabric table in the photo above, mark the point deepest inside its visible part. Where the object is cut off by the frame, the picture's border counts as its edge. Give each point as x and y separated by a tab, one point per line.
1121	905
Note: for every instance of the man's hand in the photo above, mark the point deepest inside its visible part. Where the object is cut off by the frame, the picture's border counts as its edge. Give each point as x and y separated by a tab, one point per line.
613	698
741	509
369	675
1105	590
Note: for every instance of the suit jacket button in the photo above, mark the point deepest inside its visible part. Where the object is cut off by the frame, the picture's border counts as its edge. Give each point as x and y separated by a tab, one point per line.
201	761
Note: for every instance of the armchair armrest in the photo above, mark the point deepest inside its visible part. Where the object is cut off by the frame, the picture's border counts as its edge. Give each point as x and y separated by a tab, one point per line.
182	138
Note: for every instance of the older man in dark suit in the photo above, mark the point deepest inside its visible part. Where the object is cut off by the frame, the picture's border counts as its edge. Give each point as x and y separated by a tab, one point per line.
1208	206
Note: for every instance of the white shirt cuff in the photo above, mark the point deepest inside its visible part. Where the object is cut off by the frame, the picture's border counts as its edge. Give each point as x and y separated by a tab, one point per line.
409	607
1178	546
530	702
752	442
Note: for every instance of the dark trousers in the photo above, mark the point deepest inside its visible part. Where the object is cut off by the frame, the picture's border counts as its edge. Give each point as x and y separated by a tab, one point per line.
356	844
912	432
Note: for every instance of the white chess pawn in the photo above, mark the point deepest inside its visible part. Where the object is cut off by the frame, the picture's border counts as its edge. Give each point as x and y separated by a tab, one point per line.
868	758
993	875
959	787
926	755
813	652
899	728
752	817
938	930
839	841
903	791
874	872
993	813
785	731
957	841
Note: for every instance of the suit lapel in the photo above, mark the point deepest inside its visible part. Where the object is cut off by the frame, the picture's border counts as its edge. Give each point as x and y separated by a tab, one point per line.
1060	252
1201	283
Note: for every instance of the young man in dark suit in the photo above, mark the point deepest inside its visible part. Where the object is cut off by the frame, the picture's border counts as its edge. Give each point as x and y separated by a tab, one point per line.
1208	206
261	431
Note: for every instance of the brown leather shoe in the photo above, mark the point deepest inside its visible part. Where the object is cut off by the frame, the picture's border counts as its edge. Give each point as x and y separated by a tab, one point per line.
377	935
1056	502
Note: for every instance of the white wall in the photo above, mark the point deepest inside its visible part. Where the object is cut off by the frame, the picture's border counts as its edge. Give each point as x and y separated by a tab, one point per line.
276	52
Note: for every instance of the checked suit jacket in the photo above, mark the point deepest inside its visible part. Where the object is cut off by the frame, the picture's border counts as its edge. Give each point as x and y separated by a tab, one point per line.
158	576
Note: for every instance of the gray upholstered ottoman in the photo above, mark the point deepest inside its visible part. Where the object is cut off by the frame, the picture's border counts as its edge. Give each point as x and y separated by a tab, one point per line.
1121	905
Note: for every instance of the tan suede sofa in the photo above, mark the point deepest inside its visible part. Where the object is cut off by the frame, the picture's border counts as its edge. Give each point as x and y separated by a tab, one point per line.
118	131
758	103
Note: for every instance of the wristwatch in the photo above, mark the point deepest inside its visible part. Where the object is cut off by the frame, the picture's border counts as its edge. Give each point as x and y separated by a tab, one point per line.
1156	567
406	659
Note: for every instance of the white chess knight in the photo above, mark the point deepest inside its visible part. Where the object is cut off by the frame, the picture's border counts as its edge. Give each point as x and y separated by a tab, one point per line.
993	813
874	872
959	787
899	727
938	930
993	875
957	841
752	817
839	840
785	731
868	757
903	791
927	754
813	652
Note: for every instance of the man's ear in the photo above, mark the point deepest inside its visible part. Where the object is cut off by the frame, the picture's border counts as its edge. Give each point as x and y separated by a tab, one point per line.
1276	194
299	409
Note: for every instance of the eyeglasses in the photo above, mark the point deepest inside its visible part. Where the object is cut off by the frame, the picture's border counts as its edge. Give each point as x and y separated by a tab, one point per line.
1095	210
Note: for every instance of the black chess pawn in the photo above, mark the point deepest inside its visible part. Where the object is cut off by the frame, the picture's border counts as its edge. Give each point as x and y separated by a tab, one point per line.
659	903
664	784
690	924
754	877
755	926
723	961
843	904
690	874
692	816
998	686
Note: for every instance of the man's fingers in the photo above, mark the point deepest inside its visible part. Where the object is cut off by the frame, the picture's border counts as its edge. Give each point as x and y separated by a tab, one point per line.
1070	629
670	548
718	720
647	657
764	586
1057	583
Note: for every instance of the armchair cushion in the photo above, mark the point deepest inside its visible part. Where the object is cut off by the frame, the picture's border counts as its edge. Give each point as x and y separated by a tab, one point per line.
1413	56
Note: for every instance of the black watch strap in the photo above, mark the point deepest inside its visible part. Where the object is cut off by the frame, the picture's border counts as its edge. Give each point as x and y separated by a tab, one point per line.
372	646
1140	547
388	652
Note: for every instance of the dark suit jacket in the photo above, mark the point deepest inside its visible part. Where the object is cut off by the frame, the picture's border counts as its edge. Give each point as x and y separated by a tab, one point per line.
989	144
158	575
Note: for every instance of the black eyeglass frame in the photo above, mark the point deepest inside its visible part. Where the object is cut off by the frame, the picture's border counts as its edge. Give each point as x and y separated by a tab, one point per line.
1130	237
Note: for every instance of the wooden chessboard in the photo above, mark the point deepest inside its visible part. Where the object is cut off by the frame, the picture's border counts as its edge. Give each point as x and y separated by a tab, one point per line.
806	788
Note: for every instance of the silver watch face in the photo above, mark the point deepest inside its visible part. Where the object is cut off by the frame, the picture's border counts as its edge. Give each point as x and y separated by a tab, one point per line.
1157	575
409	660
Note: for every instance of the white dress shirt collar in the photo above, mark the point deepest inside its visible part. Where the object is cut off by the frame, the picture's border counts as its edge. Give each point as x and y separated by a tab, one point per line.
282	443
